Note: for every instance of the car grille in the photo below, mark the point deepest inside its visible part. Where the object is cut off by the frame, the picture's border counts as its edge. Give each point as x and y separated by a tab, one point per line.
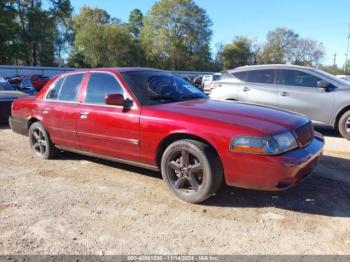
305	134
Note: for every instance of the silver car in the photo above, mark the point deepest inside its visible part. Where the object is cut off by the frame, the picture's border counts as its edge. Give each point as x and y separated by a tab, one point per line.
322	97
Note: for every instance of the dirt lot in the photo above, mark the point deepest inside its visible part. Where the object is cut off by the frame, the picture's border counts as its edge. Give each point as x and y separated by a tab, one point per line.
81	205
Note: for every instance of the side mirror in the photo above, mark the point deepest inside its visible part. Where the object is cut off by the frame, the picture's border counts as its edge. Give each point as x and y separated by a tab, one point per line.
323	84
118	100
114	99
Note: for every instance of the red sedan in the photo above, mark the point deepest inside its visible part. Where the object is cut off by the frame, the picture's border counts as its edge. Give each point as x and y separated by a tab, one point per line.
156	120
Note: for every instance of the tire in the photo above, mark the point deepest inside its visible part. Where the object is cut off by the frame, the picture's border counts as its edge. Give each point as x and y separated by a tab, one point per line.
196	179
40	142
344	125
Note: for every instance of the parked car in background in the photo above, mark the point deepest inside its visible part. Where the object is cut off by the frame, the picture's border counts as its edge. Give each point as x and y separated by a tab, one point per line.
37	81
27	86
154	119
7	95
344	77
208	80
321	96
198	82
27	89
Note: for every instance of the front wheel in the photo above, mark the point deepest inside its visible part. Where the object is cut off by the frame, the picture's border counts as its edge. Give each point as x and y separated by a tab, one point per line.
192	170
344	125
40	142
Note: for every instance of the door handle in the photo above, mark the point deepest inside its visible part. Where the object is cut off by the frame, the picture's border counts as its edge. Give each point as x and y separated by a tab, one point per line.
45	111
245	89
284	94
84	115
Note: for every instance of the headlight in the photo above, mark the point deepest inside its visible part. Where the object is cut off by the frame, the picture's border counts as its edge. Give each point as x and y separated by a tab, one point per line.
273	145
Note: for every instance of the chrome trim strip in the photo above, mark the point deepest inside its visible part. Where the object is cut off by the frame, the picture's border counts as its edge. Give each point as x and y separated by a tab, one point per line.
63	130
125	140
127	162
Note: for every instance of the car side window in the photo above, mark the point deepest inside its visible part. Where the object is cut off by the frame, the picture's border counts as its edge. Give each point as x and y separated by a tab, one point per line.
70	87
100	85
266	76
297	78
240	75
53	92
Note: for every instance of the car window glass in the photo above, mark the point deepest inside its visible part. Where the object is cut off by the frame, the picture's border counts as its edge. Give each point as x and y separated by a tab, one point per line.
216	77
266	76
70	87
239	75
100	85
297	78
53	93
154	87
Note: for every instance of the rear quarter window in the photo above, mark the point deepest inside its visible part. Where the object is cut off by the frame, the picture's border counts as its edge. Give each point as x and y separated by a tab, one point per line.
54	90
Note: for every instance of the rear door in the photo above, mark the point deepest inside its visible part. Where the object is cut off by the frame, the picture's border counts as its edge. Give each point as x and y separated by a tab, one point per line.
258	87
298	92
104	129
60	110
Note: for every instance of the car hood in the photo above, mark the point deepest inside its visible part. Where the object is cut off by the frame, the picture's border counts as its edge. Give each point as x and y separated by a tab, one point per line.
260	118
10	95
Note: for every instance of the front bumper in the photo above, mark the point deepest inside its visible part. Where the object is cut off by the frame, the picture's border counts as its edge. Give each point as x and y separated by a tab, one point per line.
272	173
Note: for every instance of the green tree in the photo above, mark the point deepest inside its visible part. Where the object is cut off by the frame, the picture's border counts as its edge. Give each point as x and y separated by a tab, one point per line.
176	35
8	33
238	53
285	46
101	41
279	46
37	29
62	11
135	22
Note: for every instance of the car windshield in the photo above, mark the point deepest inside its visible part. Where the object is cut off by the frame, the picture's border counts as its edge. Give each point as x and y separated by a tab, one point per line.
155	87
5	86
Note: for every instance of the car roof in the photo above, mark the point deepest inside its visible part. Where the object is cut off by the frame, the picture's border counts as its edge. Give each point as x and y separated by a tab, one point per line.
112	69
269	66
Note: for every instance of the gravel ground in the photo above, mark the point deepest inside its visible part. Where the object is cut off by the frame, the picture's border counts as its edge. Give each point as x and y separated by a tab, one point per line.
81	205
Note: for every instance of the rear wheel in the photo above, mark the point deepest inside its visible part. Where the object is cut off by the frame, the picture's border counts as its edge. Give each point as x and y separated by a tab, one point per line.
40	142
344	125
192	170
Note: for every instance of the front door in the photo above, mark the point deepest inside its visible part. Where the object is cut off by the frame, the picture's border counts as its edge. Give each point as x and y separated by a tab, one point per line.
299	92
104	129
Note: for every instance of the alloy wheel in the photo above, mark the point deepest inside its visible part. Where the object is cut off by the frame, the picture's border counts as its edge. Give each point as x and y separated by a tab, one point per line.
347	125
185	171
39	142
